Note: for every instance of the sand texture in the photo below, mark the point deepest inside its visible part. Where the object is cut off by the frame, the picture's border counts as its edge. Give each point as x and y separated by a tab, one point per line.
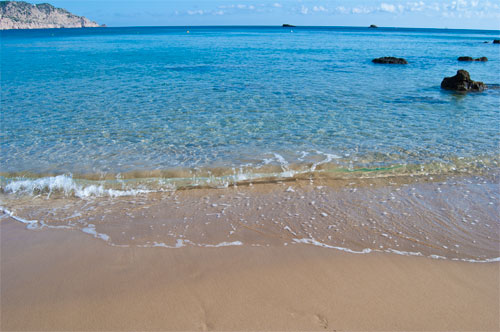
67	280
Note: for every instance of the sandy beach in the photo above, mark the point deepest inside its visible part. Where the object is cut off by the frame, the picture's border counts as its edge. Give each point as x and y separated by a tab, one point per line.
250	178
67	280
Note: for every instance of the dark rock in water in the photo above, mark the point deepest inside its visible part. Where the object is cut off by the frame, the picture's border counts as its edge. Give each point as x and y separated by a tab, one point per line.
468	58
496	41
485	42
373	26
288	26
390	60
461	82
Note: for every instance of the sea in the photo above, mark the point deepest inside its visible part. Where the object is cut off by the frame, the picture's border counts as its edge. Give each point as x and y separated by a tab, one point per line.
96	115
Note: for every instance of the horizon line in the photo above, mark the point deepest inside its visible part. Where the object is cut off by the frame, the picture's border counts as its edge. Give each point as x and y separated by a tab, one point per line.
295	26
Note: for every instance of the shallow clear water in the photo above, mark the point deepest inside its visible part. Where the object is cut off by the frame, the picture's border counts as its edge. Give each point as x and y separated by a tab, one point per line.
118	100
108	123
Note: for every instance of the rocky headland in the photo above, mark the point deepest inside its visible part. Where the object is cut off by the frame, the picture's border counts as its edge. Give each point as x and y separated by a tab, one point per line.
23	15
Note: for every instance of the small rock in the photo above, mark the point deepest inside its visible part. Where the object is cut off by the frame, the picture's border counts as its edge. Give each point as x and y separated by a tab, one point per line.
468	58
390	60
461	82
496	41
373	26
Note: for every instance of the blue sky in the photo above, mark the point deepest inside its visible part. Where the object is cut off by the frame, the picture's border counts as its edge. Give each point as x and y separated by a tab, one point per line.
468	14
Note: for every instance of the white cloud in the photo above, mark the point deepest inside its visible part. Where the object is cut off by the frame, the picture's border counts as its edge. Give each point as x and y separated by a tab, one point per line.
361	10
430	8
195	12
342	10
415	6
385	7
319	9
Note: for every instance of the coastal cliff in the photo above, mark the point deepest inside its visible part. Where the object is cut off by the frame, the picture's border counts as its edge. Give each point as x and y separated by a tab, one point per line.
23	15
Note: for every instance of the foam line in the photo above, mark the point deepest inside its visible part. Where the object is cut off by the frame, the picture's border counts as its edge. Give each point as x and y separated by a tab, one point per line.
30	223
314	242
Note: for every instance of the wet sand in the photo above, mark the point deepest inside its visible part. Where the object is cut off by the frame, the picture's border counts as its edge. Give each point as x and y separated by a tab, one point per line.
449	217
67	280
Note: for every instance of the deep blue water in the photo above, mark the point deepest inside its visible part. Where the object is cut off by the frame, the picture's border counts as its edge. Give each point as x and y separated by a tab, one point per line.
130	99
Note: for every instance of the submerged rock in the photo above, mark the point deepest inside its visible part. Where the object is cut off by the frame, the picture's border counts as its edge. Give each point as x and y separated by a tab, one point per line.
390	60
468	58
462	82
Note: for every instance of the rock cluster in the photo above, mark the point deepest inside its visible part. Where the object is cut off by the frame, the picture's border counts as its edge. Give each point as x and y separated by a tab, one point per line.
390	60
23	15
461	82
468	58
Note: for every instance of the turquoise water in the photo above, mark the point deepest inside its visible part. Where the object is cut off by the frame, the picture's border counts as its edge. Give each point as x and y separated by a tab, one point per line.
98	102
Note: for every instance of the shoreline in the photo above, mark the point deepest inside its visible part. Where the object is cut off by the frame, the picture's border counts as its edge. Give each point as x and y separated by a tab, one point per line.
453	218
58	279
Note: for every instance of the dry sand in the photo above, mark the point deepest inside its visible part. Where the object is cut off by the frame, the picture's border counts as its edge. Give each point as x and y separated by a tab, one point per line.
67	280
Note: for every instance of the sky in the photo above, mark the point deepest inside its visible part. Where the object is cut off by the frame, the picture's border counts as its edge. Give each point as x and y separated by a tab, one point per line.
453	14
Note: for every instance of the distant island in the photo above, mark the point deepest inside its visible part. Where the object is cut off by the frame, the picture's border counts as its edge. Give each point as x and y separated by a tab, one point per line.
288	26
23	15
373	26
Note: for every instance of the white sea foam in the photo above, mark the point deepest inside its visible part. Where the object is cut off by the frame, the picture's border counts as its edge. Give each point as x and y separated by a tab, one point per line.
324	245
90	229
393	251
437	257
487	260
287	228
403	253
31	224
182	243
281	160
66	185
328	157
222	244
178	244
